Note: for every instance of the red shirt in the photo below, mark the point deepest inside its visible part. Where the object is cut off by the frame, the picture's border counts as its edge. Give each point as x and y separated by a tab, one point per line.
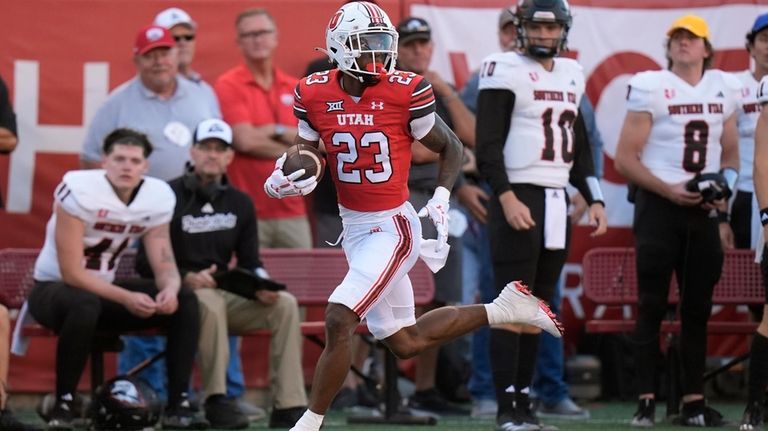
242	100
369	141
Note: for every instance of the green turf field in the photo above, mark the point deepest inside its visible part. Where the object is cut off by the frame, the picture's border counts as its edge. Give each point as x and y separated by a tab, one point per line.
605	416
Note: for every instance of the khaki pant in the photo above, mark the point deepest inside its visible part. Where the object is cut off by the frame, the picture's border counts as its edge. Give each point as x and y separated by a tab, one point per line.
222	312
285	233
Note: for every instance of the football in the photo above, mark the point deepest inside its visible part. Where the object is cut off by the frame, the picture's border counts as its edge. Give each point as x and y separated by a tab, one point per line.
305	157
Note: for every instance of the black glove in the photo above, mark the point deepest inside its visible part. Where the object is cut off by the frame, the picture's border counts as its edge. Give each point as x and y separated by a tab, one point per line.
712	186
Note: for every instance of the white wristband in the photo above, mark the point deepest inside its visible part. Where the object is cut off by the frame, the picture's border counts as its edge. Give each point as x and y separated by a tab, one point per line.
442	193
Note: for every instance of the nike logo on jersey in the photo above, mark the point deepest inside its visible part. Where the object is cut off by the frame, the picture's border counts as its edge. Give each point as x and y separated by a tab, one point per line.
335	106
355	119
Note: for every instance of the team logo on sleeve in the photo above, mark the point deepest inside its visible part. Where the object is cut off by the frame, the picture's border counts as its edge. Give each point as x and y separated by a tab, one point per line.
335	106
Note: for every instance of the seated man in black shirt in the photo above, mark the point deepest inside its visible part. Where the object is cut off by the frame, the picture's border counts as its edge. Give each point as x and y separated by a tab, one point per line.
212	222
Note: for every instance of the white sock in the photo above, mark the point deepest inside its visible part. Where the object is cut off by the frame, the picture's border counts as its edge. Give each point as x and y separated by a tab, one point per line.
495	314
309	421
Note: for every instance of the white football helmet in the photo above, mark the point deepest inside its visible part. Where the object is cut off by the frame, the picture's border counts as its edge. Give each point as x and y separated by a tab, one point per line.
362	41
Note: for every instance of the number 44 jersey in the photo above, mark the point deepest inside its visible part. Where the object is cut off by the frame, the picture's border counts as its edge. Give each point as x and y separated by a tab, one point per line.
368	139
687	120
110	225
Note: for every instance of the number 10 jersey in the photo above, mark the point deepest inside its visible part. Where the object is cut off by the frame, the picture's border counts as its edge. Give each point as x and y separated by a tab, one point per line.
540	147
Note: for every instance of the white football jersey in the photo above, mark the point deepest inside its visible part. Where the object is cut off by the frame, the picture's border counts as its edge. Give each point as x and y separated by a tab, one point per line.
748	112
687	120
539	148
110	224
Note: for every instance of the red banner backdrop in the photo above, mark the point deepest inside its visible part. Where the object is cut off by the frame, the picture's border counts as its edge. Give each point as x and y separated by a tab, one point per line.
60	58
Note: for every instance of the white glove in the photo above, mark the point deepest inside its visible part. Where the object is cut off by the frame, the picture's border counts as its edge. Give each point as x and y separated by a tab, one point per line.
437	210
279	186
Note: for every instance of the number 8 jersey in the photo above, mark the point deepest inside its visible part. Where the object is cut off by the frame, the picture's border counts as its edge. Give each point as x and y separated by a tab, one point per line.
368	139
110	224
687	120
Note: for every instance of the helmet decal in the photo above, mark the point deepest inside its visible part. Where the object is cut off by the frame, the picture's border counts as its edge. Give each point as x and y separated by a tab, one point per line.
336	19
374	13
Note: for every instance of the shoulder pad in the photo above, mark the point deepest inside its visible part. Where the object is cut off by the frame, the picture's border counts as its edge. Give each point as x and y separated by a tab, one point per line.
762	90
570	63
509	59
647	81
156	195
731	81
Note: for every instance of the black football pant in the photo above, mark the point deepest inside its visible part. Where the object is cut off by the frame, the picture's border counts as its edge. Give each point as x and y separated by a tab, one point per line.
76	314
685	240
520	255
741	219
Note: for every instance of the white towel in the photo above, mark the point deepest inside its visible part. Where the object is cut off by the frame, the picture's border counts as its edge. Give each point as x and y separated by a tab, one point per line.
435	260
555	219
20	342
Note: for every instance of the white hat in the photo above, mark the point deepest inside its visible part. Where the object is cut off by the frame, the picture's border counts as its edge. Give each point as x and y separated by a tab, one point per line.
213	129
172	17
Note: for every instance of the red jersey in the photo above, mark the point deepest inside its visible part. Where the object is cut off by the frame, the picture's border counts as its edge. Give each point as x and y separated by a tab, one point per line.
369	140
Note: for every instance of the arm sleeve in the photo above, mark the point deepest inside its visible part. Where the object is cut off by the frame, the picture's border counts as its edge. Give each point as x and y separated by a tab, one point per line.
248	237
494	110
582	175
595	139
7	116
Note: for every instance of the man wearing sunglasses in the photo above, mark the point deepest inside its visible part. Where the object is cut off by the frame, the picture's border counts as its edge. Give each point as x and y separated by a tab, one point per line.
184	30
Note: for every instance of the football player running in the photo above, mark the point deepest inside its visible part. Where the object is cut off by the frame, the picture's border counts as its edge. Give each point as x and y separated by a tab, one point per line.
367	115
531	142
679	145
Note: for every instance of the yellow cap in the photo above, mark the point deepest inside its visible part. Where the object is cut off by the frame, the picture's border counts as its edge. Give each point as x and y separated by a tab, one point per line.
694	24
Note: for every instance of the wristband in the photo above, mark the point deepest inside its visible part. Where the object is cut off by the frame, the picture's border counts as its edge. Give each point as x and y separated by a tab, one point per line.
731	176
722	217
764	216
595	192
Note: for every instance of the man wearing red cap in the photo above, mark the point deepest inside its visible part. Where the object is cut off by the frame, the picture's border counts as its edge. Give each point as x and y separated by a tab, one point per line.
157	102
680	124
